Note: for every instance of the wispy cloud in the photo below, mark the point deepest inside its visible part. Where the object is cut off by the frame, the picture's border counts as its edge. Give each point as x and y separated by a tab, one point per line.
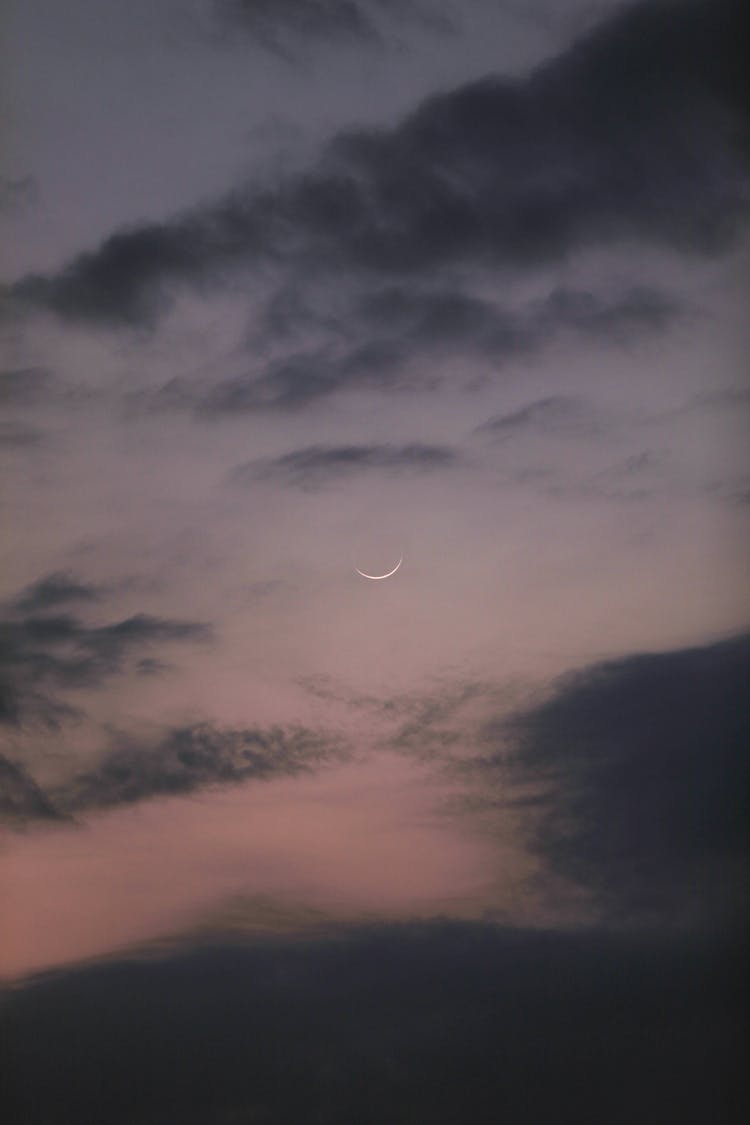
189	758
317	465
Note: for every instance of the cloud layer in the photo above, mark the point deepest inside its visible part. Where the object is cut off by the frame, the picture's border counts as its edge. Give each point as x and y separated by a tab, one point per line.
636	132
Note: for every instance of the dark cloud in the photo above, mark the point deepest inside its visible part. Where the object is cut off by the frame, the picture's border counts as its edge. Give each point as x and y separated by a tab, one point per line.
635	132
389	329
405	1024
59	588
281	24
317	465
288	26
21	799
16	435
644	773
42	655
557	414
190	758
23	386
17	194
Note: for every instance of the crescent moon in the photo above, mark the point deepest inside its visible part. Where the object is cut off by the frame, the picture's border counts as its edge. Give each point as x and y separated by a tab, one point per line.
377	577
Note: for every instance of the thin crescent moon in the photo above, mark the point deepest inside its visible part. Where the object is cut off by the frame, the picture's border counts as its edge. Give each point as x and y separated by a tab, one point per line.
377	577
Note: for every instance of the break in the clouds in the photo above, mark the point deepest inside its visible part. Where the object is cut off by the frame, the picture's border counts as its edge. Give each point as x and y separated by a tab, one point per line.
319	465
635	774
635	133
44	655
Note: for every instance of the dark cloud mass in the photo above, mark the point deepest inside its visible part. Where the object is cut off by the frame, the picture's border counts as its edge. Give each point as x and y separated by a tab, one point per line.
319	464
42	655
645	778
434	1023
636	132
189	758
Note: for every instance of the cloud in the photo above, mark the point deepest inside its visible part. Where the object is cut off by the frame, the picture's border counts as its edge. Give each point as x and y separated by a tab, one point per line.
635	132
44	654
17	194
21	799
555	415
317	465
288	26
192	757
643	775
16	435
23	386
278	24
387	330
431	1022
58	588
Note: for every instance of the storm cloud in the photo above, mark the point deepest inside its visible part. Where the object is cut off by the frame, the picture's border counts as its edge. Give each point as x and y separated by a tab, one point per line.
635	132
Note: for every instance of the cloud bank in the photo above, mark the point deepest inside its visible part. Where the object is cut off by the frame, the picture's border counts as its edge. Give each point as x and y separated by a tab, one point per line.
636	132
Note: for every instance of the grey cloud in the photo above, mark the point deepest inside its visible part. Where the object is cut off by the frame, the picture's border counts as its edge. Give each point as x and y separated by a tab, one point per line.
392	326
287	27
318	464
642	775
17	435
283	24
23	386
58	588
557	414
192	757
43	655
17	194
635	132
293	381
21	799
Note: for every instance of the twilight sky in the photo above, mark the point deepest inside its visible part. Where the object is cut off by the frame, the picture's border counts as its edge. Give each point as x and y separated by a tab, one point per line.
296	285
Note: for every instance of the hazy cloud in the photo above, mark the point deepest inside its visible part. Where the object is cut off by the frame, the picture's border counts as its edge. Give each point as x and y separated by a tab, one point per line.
23	386
637	131
287	27
554	415
390	328
317	465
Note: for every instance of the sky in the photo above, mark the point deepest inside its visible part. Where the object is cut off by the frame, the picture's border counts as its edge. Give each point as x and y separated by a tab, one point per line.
292	288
